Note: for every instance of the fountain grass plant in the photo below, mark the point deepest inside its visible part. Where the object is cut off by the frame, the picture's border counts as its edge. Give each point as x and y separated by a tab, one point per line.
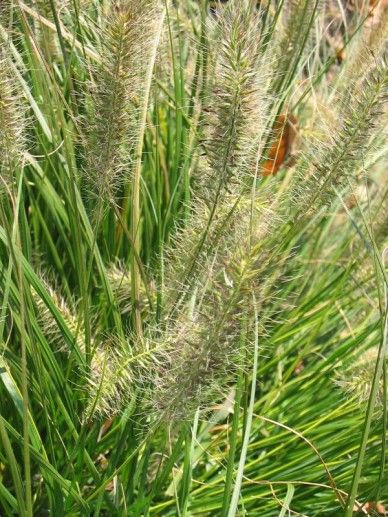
181	332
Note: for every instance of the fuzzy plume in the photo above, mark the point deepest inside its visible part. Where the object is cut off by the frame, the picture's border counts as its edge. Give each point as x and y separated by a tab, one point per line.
220	257
12	121
357	378
200	349
333	160
370	51
109	378
234	123
299	16
120	281
127	41
49	325
237	109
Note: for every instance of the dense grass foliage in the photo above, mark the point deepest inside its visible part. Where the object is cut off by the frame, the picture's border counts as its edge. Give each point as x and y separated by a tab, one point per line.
193	218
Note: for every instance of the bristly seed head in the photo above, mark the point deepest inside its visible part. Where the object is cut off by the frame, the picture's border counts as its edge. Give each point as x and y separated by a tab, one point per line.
12	121
115	95
330	163
356	379
236	114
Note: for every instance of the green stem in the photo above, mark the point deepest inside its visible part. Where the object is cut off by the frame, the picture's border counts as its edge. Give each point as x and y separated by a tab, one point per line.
136	276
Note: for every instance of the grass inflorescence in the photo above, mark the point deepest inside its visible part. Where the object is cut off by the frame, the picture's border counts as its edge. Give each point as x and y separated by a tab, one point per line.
193	310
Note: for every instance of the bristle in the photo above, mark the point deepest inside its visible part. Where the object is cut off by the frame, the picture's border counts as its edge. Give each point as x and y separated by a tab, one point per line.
201	349
235	125
12	121
116	94
110	381
49	325
332	161
356	379
294	39
220	257
236	114
109	378
121	283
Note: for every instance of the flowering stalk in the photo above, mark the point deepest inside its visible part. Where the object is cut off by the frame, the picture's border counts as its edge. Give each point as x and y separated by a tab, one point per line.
233	129
154	43
248	238
356	379
109	379
128	42
12	122
200	349
338	154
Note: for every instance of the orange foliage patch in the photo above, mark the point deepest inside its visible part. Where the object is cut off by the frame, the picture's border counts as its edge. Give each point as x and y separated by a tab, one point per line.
284	133
371	508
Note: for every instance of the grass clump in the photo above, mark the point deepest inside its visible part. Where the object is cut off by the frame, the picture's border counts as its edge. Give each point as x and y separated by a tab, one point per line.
204	182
